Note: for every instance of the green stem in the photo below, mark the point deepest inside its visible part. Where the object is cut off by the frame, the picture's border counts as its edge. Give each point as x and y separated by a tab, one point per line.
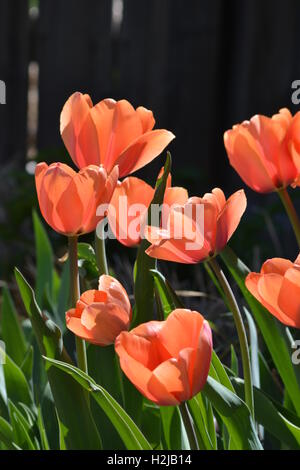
100	250
187	421
291	212
75	294
240	331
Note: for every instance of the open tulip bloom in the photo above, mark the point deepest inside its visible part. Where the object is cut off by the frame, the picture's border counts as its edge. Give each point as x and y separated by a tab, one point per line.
143	347
167	361
110	133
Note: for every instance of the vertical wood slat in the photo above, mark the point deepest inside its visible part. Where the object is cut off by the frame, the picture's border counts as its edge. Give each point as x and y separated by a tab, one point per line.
74	55
13	71
169	56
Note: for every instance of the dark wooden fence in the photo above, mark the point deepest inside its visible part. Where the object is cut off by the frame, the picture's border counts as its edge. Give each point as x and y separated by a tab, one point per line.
201	65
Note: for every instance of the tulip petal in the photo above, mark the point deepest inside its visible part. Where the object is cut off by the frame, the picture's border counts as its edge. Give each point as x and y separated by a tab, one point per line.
289	296
143	150
147	118
114	292
229	218
169	383
276	266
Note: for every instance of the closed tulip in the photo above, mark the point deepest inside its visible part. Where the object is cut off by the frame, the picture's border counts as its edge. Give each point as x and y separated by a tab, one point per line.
167	361
100	315
129	205
277	288
198	230
110	133
263	151
68	200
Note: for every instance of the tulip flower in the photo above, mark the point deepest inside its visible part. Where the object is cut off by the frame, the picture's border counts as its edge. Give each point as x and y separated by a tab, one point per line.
262	151
129	206
68	200
167	361
199	229
277	288
100	315
110	133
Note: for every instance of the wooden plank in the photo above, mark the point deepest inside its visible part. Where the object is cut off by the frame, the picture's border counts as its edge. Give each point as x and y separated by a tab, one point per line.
13	71
74	55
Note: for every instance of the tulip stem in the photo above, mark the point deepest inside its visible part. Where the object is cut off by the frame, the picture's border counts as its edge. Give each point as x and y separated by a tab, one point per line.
75	294
291	212
187	421
100	249
232	303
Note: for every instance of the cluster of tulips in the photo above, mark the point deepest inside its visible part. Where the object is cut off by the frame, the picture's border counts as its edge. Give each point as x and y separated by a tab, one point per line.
167	352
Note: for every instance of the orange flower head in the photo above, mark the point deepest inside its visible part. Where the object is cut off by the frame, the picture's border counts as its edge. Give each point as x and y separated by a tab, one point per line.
261	151
68	200
129	206
199	229
110	133
167	361
277	288
100	315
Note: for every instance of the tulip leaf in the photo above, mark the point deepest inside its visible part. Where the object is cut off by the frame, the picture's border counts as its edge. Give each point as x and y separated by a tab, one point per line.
27	364
44	261
235	414
171	427
127	429
17	389
268	326
87	259
70	400
143	280
201	411
42	430
21	429
6	433
281	423
12	333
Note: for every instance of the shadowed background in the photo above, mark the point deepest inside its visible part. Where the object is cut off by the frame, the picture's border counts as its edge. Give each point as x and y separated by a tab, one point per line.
200	65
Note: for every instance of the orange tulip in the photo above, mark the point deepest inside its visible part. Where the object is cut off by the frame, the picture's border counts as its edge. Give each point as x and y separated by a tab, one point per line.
110	133
198	230
100	315
69	200
261	151
168	361
277	288
129	205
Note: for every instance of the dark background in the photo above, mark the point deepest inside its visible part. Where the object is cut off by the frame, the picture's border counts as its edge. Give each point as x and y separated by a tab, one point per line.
200	65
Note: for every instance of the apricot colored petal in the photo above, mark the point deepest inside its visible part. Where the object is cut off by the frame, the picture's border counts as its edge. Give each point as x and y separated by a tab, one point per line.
127	209
115	292
72	118
229	218
147	118
93	295
118	126
104	321
181	330
74	324
143	150
136	372
269	286
169	383
289	296
276	266
246	158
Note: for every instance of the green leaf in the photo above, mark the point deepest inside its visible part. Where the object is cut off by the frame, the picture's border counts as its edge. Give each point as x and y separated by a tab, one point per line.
15	343
278	421
87	259
42	430
44	259
127	429
27	364
168	303
17	389
171	427
143	280
70	400
6	433
63	301
253	349
268	326
235	414
201	411
234	361
21	429
151	424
